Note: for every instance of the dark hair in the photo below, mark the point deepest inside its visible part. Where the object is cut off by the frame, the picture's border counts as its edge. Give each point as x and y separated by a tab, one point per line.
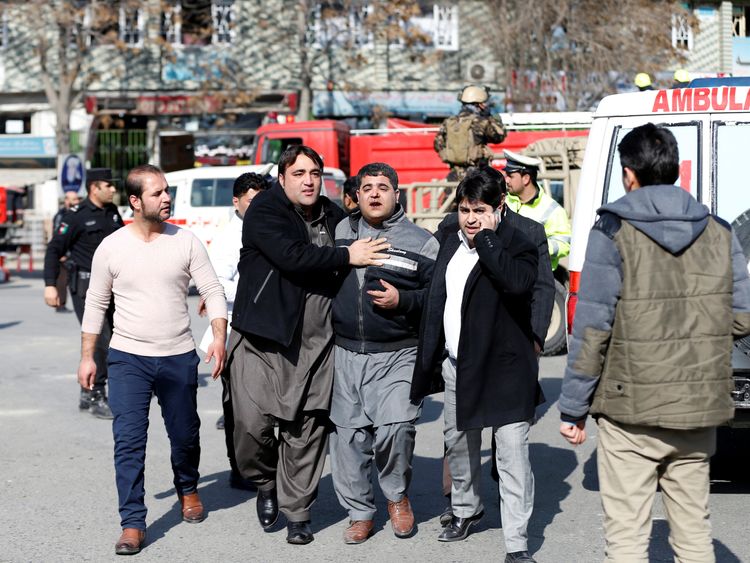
249	181
351	186
532	172
289	157
378	169
483	184
652	154
134	180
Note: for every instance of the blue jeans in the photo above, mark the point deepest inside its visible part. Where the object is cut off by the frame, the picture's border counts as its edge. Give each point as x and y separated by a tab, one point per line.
132	381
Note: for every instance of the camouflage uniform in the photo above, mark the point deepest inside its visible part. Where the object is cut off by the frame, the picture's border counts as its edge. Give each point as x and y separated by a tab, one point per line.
463	138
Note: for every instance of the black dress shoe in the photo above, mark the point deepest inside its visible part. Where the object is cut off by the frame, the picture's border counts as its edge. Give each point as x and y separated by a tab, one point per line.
519	557
459	528
268	508
299	533
446	516
237	481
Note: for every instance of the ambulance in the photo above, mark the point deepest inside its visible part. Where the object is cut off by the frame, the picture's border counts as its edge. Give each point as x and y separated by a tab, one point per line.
711	122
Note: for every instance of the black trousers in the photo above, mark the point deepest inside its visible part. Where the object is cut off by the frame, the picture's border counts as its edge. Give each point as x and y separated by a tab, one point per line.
102	343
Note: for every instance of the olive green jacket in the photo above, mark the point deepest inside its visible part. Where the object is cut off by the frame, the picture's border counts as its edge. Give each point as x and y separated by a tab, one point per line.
664	291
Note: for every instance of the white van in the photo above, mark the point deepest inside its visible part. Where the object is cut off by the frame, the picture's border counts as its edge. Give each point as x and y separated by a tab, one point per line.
202	197
711	122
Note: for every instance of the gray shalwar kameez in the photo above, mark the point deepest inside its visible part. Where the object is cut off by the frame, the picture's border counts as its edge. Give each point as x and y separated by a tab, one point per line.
291	387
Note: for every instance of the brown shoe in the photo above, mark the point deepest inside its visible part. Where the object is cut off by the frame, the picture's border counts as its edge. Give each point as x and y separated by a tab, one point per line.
402	518
192	508
130	541
358	531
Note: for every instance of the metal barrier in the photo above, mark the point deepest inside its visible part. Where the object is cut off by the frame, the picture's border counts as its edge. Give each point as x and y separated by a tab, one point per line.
428	202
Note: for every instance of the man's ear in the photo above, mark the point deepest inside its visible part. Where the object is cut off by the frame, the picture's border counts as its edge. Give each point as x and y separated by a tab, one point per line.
629	179
135	202
281	180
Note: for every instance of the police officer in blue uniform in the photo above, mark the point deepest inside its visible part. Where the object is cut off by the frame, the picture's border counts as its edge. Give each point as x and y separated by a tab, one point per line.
78	236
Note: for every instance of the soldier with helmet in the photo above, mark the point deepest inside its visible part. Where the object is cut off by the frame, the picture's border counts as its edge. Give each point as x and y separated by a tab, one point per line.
79	234
462	140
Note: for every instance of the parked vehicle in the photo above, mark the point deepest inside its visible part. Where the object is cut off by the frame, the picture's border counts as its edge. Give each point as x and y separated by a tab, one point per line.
711	122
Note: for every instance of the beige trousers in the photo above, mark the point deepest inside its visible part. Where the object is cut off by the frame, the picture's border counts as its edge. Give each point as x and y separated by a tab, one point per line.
631	461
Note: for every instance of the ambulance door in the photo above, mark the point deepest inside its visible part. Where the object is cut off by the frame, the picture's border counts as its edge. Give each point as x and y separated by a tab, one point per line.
729	193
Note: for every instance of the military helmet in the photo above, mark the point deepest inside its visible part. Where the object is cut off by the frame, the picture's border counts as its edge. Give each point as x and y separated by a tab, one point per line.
474	94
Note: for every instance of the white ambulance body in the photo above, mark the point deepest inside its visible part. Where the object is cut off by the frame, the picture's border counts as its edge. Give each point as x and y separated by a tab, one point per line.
712	127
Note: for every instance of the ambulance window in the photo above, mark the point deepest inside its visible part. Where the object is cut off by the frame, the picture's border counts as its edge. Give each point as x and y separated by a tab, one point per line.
731	196
224	188
687	135
211	192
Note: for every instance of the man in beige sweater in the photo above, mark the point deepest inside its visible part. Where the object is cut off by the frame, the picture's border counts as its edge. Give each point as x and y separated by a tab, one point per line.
147	266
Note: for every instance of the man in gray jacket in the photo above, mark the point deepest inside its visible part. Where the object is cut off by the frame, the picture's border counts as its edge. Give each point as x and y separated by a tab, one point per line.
376	316
664	288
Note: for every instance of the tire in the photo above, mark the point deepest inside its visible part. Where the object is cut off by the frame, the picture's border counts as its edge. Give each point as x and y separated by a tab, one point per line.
556	341
741	228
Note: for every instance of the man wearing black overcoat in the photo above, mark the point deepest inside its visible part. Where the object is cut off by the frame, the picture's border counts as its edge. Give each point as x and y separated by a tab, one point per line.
477	336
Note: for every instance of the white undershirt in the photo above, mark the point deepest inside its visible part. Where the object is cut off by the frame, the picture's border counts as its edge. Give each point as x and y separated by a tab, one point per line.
456	274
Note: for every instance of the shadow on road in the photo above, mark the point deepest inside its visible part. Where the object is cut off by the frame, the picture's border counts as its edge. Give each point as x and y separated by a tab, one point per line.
10	324
660	550
590	474
215	493
551	466
551	388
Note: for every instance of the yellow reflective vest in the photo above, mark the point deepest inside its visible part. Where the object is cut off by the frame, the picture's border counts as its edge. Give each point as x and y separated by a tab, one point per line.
545	210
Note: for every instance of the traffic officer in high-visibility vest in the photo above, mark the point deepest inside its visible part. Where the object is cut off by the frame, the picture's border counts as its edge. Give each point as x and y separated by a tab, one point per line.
527	199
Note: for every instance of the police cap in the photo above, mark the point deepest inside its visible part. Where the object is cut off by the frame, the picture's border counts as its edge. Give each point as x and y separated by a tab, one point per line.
520	163
98	175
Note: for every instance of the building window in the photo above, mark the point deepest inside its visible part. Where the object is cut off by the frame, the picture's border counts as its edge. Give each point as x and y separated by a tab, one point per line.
739	21
222	20
132	24
439	22
4	30
682	34
103	23
335	24
171	23
198	22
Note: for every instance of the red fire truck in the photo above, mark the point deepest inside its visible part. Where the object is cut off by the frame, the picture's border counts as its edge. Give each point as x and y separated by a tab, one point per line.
405	145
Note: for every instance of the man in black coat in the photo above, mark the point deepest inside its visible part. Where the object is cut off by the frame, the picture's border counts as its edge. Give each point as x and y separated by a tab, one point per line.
281	367
478	310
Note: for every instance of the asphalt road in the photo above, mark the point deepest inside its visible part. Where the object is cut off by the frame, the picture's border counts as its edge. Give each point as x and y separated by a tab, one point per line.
58	498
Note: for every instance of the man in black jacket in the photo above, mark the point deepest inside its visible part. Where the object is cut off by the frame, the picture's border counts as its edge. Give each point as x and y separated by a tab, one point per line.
478	310
78	235
281	366
376	320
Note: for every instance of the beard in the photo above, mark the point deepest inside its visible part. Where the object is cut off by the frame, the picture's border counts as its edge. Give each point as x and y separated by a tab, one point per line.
154	217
